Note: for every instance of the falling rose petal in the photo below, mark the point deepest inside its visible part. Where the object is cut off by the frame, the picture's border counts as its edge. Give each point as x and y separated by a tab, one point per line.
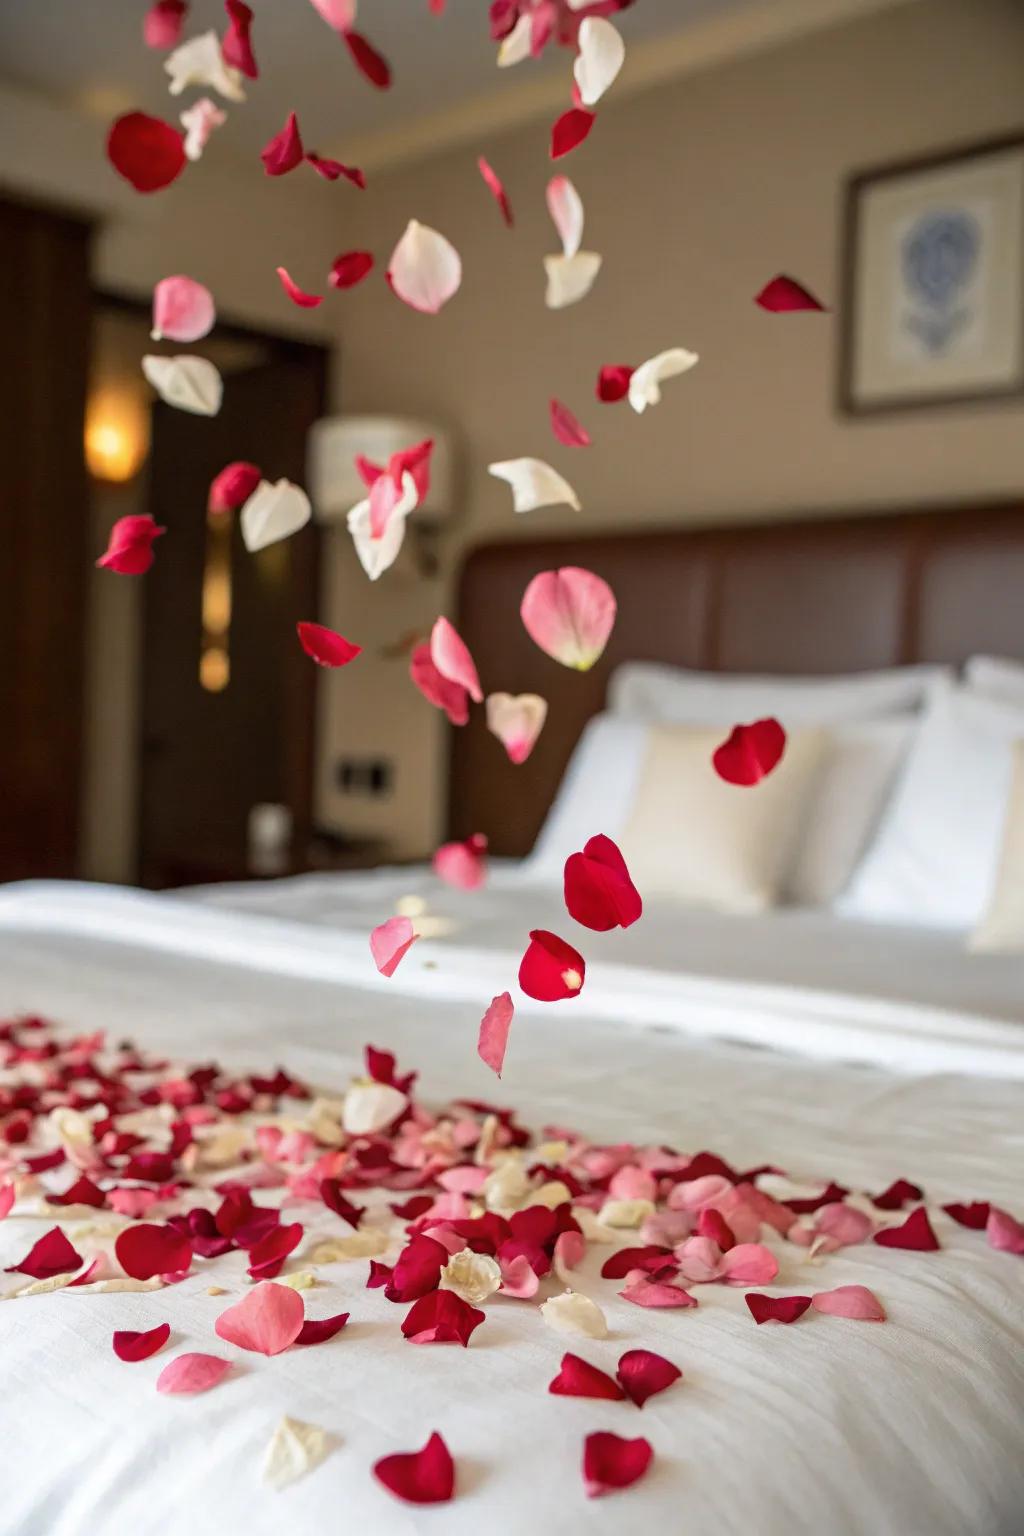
613	382
146	151
854	1301
267	1320
450	655
441	1317
463	865
147	1250
776	1309
566	209
129	549
419	1477
295	1449
642	1374
390	941
367	60
298	295
333	170
646	381
750	752
437	689
318	1331
574	1313
188	383
915	1233
425	269
899	1193
139	1346
494	1028
570	278
350	268
326	646
200	61
51	1255
496	188
578	1378
162	24
183	310
273	512
611	1463
284	151
534	484
234	485
200	121
189	1374
569	131
339	14
236	45
517	721
602	54
569	613
1003	1232
975	1216
598	891
784	295
378	553
551	970
516	45
566	427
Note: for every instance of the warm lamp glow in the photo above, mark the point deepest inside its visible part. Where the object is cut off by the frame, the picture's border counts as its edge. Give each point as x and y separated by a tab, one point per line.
116	436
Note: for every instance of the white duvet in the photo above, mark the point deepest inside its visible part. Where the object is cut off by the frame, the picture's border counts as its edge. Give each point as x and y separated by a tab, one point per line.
914	1427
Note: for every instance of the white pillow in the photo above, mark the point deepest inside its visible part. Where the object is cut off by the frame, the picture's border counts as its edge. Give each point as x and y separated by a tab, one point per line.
934	860
996	678
651	691
596	793
1002	927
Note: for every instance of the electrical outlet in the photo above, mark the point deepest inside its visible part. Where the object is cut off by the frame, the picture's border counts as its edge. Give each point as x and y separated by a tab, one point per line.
369	777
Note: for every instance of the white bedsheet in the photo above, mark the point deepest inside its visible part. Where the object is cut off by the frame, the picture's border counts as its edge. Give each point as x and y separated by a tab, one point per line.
909	1428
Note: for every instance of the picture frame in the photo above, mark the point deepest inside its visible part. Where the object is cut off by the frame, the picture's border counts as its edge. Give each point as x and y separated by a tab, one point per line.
933	280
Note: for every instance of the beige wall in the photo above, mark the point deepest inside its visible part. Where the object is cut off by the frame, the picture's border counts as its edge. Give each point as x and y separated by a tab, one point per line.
696	192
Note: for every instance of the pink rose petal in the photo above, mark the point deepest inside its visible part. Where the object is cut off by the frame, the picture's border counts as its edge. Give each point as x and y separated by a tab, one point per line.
1004	1232
451	657
749	1264
494	1028
517	721
295	293
267	1320
183	310
854	1301
496	188
566	210
391	940
566	428
438	690
643	1291
162	24
189	1374
569	614
463	865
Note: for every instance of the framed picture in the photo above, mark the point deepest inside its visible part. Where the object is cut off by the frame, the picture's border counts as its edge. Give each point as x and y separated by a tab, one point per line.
933	290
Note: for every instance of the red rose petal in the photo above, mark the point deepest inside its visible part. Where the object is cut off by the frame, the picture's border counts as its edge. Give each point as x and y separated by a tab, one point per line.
129	549
551	969
146	151
390	941
331	170
974	1216
417	1269
191	1374
494	1027
569	131
578	1378
625	1259
298	295
411	1209
613	382
318	1331
610	1462
148	1249
234	485
82	1192
326	646
51	1255
496	189
900	1193
784	294
750	753
419	1477
438	690
350	268
162	24
830	1195
776	1309
267	1320
331	1195
284	151
139	1346
711	1223
236	45
267	1256
566	427
368	61
642	1374
441	1317
916	1233
598	891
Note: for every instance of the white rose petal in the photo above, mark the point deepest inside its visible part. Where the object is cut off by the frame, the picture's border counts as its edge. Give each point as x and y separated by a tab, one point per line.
566	209
516	46
295	1449
570	278
534	484
369	1107
377	555
626	1213
188	383
199	61
645	385
473	1276
573	1313
601	56
273	512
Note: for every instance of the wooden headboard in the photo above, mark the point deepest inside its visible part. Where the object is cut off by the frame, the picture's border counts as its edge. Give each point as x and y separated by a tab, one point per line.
837	594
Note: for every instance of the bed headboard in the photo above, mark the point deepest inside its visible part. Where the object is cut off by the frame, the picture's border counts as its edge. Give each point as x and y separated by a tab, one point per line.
837	594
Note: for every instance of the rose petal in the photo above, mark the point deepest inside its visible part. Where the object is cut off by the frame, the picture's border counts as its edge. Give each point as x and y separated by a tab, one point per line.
915	1233
139	1346
647	1292
578	1378
369	1107
236	44
332	1196
975	1216
613	382
367	60
51	1255
750	752
391	940
854	1301
566	427
425	269
267	1320
516	720
146	151
339	14
642	1374
844	1224
569	131
516	45
200	61
188	383
273	512
298	295
148	1249
610	1462
234	485
602	54
284	151
496	188
7	1197
598	891
646	381
162	24
749	1264
200	121
350	268
566	209
494	1028
183	310
899	1193
295	1449
569	613
463	865
130	546
711	1223
1004	1232
326	647
551	970
473	1277
576	1314
519	1278
534	484
189	1374
441	1317
438	690
450	655
332	170
378	553
319	1330
784	294
267	1256
570	278
419	1477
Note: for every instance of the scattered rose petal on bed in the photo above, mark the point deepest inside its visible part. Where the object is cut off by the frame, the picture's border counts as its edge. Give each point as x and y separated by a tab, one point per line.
1004	1232
611	1462
372	65
266	1321
598	891
335	1199
915	1233
899	1193
569	613
334	170
974	1216
378	554
419	1477
267	1256
569	131
473	1277
146	151
648	1291
451	657
234	485
139	1346
578	1378
7	1197
784	294
326	647
566	209
534	484
613	382
200	121
602	54
51	1255
129	549
389	941
183	310
517	721
295	1449
643	1374
425	269
417	1270
284	151
463	865
494	1028
369	1107
576	1314
320	1330
551	970
496	188
519	1278
711	1223
236	45
162	24
750	752
749	1264
350	268
441	1317
298	295
200	61
273	512
776	1309
854	1301
188	383
646	381
189	1374
567	428
149	1249
438	690
570	278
